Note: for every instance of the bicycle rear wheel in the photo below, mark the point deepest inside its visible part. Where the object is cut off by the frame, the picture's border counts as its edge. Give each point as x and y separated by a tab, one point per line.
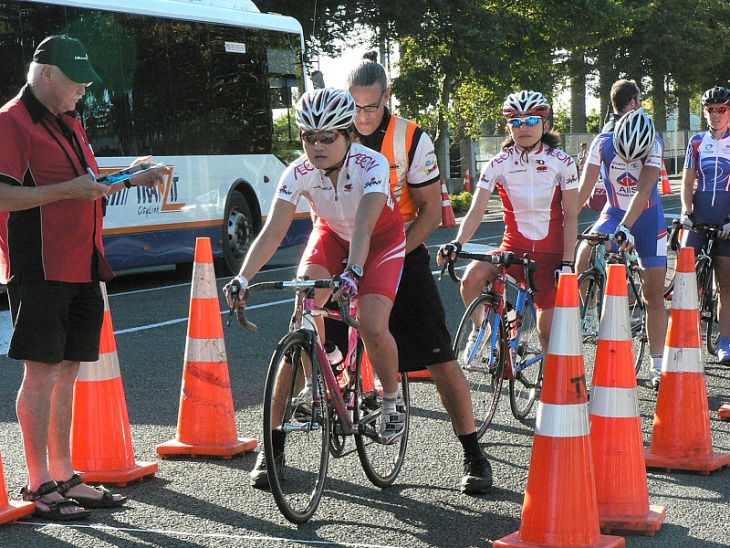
671	271
381	463
296	474
637	315
590	287
525	387
485	379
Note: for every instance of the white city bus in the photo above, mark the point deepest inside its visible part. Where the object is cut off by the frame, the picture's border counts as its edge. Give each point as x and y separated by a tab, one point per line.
196	83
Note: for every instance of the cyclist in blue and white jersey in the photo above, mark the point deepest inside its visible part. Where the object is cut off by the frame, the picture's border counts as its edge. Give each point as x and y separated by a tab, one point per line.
630	156
706	197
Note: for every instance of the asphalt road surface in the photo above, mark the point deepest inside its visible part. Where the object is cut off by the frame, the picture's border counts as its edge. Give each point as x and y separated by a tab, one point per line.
207	502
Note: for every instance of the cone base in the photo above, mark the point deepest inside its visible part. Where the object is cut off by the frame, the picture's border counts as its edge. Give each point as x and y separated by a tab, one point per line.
16	510
224	451
606	541
122	476
723	412
693	464
423	375
647	524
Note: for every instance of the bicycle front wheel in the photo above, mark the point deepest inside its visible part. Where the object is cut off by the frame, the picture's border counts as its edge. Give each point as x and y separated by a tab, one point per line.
298	468
708	305
671	271
637	315
381	463
482	358
590	286
525	387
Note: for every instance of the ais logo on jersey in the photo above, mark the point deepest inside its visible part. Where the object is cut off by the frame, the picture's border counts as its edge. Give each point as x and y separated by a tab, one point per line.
626	185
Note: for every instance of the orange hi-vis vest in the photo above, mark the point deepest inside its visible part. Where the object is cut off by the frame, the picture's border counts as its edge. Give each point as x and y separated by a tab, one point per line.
396	146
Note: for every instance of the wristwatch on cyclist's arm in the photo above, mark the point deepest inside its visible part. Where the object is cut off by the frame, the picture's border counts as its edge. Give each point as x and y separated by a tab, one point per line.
356	269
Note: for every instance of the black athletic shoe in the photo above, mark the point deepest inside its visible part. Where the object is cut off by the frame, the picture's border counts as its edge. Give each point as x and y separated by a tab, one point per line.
477	476
259	477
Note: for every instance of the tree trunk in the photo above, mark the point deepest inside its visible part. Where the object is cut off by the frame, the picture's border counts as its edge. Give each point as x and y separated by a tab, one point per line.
441	143
578	70
683	110
659	102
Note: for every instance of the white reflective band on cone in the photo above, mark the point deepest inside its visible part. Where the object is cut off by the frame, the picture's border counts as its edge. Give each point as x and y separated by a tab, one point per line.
562	421
105	369
682	360
569	342
205	350
685	291
619	328
619	403
204	286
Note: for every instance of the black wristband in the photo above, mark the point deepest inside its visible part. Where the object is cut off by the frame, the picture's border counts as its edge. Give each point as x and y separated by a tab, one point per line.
127	184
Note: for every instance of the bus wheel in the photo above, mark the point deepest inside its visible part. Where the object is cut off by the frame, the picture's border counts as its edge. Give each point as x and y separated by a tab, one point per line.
238	232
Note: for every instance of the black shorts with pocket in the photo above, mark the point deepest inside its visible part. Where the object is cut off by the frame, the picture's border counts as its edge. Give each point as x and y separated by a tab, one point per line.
55	321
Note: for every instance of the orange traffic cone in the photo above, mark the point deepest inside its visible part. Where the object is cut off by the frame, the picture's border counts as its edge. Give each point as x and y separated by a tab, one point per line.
467	182
206	421
724	412
666	187
560	507
101	439
10	510
681	438
616	438
447	212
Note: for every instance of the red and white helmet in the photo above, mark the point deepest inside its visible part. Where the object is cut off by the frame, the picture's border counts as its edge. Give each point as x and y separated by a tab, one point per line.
634	135
526	103
326	109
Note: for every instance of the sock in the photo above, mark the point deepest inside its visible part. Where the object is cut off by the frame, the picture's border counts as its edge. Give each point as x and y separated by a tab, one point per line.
470	443
656	362
389	401
277	440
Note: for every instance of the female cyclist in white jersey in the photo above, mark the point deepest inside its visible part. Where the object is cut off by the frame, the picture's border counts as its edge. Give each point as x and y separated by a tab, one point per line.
357	223
538	185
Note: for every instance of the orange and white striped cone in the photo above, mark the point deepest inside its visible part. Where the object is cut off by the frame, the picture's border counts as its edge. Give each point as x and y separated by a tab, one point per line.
467	182
10	510
681	437
666	186
560	507
616	438
447	212
101	439
724	412
206	421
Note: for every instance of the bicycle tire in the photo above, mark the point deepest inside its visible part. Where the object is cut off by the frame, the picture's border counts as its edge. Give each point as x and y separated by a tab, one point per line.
297	482
708	304
671	271
381	463
485	383
637	316
590	288
525	387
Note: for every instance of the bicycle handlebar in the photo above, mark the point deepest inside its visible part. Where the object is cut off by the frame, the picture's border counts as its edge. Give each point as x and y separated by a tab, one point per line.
596	238
710	229
293	285
505	258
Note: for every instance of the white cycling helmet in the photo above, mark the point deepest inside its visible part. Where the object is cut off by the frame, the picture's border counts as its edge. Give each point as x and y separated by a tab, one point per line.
526	103
634	135
325	109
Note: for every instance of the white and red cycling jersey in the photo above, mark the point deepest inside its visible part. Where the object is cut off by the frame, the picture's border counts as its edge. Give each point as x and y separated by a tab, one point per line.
363	172
531	187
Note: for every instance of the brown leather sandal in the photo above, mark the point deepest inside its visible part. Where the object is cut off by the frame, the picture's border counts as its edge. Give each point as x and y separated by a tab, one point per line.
54	512
106	501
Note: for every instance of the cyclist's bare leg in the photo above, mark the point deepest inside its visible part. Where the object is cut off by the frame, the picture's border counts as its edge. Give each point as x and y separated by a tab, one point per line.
722	275
373	313
453	390
476	276
544	320
652	286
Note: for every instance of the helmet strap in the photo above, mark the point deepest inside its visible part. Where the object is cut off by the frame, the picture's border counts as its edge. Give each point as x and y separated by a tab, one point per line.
330	170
